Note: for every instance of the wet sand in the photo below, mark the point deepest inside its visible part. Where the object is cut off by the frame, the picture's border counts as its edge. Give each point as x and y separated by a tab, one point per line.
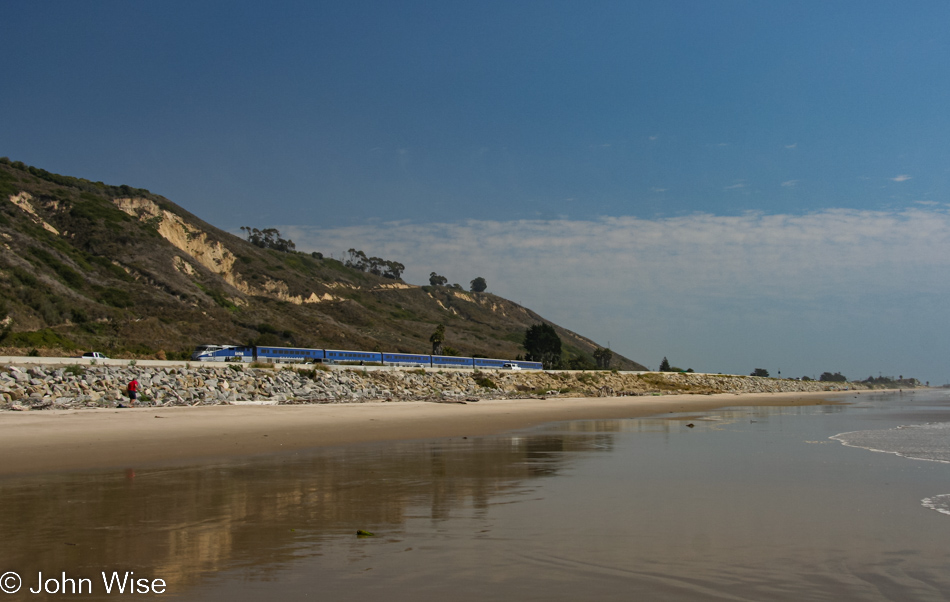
749	502
56	441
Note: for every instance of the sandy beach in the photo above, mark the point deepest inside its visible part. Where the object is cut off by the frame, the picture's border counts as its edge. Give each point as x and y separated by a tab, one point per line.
55	441
694	498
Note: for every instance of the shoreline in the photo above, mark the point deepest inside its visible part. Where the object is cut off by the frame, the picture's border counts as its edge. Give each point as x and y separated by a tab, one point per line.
72	440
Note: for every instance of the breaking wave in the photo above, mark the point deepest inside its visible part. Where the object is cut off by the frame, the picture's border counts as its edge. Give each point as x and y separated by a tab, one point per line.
917	441
929	442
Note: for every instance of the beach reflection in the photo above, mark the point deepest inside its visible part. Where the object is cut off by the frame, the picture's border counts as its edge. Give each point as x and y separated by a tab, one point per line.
742	503
182	523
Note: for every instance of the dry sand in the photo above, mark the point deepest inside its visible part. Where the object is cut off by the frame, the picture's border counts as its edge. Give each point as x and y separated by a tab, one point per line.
63	440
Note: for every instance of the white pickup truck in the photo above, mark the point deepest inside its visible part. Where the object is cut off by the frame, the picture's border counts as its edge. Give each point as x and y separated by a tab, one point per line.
511	367
93	355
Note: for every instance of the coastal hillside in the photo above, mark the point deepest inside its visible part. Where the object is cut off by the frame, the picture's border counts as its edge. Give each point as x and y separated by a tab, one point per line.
90	266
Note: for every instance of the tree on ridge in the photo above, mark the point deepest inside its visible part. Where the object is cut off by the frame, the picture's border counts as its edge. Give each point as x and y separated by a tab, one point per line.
479	285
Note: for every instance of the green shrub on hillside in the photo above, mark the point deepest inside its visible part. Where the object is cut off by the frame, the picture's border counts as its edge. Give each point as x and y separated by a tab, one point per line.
21	276
218	297
93	211
116	297
45	338
114	270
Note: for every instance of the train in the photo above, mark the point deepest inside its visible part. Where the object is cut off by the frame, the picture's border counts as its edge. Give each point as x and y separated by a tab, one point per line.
255	353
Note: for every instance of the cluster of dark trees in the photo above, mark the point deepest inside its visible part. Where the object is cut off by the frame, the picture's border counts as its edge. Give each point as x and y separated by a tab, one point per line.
269	238
891	382
666	367
602	357
374	265
541	344
836	377
478	285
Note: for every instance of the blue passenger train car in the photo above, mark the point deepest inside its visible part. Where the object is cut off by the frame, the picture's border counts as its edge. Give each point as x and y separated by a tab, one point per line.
526	365
484	362
333	355
406	359
450	361
288	354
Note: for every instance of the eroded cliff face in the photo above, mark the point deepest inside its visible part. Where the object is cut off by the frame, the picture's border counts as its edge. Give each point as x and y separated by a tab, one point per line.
196	243
199	247
216	256
24	201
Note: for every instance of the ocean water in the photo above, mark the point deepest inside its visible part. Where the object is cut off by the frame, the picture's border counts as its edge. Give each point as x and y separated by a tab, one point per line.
757	503
929	442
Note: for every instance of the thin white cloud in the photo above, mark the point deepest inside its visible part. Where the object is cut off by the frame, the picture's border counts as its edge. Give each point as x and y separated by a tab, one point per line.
902	178
729	256
790	183
732	290
791	146
927	203
654	138
735	186
659	189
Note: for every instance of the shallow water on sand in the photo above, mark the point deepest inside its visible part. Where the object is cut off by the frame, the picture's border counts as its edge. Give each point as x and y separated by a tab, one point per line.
741	504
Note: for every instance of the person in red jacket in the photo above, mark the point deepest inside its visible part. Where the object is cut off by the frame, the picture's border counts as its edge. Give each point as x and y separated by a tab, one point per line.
133	390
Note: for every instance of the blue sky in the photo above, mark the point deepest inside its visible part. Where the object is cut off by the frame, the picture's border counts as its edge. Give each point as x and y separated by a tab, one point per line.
729	184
